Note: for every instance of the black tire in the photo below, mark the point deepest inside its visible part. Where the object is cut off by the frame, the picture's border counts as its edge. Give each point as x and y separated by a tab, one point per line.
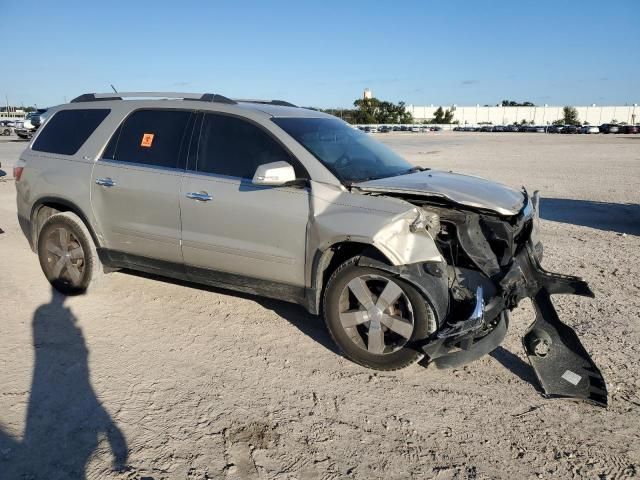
423	316
72	267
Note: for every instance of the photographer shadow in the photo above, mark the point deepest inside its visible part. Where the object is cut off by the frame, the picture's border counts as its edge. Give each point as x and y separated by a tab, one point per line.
65	420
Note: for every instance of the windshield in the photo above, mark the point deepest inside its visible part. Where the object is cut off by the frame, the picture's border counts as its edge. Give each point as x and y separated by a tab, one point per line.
351	155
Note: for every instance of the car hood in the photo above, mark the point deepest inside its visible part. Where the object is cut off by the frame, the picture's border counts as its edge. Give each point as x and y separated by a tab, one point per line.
464	190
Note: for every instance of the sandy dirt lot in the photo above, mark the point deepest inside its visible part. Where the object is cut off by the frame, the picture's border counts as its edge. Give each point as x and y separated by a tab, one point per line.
163	380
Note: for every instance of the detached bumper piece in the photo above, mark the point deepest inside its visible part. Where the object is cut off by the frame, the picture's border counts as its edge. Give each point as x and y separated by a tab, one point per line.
562	365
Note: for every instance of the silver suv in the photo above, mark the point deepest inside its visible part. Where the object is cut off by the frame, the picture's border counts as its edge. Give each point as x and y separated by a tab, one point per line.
264	197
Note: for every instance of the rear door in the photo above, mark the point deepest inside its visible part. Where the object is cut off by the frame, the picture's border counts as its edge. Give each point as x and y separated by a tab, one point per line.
232	226
135	185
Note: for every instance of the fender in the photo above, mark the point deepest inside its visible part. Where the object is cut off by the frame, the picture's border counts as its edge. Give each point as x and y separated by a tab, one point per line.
66	206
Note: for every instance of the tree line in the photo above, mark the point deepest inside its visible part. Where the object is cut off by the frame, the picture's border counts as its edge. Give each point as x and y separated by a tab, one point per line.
376	111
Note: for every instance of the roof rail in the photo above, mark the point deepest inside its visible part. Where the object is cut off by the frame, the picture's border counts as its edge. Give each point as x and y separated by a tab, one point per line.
282	103
206	97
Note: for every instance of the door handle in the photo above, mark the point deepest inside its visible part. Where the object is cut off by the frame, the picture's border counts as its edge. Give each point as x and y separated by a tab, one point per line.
200	196
105	182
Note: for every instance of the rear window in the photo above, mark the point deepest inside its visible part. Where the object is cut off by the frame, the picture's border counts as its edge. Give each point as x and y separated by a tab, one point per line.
150	137
67	130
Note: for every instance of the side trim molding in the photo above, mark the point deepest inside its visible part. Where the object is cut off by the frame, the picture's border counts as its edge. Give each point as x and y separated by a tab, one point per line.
229	281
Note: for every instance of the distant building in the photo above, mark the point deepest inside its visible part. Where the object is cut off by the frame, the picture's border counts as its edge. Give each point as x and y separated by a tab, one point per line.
539	115
367	95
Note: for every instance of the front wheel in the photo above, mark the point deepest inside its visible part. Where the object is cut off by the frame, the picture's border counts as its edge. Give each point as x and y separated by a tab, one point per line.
374	316
67	253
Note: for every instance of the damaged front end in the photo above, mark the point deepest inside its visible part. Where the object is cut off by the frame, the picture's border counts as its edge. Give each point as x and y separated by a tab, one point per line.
492	263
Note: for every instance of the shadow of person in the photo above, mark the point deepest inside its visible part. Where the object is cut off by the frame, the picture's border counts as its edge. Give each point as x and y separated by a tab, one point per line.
65	420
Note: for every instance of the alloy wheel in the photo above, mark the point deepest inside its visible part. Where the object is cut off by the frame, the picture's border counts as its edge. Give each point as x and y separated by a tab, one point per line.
65	256
376	314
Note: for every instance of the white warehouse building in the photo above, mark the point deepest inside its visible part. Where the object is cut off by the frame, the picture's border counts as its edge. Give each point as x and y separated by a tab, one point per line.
538	115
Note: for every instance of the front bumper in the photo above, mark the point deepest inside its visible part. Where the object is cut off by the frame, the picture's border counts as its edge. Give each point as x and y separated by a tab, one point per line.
561	364
23	132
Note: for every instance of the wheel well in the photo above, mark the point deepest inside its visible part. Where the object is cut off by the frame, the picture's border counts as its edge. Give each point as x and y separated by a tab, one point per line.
335	256
47	208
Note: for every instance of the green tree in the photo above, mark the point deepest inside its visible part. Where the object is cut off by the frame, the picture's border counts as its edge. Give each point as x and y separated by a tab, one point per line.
372	110
438	115
441	116
511	103
448	116
570	116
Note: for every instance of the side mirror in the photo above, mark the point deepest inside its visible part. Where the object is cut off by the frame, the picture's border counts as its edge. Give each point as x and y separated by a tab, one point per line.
274	174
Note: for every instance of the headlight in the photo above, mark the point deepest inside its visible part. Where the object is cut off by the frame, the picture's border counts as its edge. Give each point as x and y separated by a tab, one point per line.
426	221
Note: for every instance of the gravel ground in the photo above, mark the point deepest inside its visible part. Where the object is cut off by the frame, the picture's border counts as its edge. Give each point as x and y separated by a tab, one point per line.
172	381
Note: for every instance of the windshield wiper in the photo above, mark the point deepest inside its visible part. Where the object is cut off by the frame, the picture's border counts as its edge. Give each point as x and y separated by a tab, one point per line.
414	170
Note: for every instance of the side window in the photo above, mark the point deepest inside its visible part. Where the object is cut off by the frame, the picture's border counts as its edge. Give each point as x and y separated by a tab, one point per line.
150	137
234	147
67	130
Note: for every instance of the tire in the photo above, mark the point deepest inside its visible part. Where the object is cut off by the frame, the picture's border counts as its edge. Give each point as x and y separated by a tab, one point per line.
67	254
6	132
355	328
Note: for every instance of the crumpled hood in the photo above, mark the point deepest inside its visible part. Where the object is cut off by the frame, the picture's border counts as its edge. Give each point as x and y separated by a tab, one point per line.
465	190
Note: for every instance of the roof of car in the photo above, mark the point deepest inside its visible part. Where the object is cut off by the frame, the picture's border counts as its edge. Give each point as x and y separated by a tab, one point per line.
207	101
282	111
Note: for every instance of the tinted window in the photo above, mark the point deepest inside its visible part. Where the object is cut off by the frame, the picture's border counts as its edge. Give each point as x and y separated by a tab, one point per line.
234	147
67	131
150	137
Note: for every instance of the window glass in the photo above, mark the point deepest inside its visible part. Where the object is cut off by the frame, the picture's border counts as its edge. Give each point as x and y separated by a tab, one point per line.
234	147
67	130
150	137
351	155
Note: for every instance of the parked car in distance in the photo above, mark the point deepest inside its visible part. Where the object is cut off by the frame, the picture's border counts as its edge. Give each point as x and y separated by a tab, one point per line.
609	128
26	128
5	128
629	129
589	129
511	128
415	128
570	129
486	128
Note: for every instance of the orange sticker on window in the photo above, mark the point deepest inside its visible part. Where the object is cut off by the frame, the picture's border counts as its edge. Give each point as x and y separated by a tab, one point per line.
147	140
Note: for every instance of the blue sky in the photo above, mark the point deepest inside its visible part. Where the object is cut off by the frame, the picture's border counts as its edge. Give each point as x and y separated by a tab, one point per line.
325	53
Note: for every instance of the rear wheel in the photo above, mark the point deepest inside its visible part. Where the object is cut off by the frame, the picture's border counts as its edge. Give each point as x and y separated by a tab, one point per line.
374	316
67	253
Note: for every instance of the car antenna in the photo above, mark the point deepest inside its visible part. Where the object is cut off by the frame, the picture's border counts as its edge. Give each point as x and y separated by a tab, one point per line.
114	88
